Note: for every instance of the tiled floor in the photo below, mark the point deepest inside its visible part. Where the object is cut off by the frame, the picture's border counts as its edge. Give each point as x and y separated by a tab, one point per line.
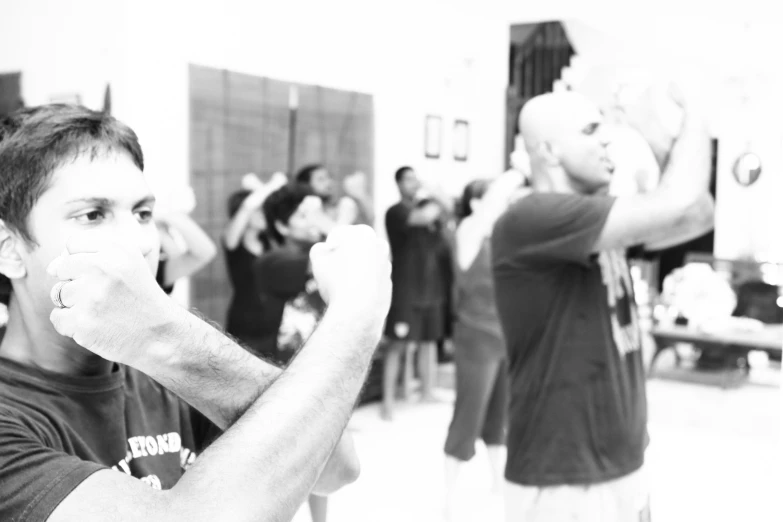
714	457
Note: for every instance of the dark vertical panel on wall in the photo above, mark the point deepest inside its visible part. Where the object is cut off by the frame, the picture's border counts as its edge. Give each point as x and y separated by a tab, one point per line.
240	123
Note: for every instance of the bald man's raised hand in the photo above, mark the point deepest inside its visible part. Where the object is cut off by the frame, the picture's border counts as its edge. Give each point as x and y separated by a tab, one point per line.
681	207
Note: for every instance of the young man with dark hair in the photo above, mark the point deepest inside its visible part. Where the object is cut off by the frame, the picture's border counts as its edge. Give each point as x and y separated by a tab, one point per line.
283	277
421	273
108	389
564	294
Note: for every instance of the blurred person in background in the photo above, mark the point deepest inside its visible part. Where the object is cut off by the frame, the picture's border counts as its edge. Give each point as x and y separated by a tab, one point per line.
578	409
185	248
354	208
290	302
245	239
419	313
479	347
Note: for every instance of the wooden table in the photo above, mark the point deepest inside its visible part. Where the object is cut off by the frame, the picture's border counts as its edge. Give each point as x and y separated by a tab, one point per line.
769	340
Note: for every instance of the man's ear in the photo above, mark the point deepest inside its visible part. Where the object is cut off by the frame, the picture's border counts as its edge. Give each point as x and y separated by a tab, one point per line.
548	153
283	229
11	262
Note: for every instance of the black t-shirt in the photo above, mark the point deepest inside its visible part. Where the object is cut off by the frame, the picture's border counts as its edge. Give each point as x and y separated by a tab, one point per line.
290	300
245	310
421	262
578	410
56	430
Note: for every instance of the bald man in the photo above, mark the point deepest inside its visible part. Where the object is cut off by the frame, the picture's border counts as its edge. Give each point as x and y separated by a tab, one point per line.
577	423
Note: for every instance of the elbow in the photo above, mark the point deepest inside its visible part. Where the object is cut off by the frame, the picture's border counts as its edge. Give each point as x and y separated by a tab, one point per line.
351	471
700	213
338	476
348	472
210	252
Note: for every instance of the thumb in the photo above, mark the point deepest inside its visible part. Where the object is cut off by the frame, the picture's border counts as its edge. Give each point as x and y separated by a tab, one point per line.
317	251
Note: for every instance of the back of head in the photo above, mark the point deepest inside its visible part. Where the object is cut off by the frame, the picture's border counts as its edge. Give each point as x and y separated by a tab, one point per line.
400	173
305	174
473	190
545	117
565	142
281	205
35	141
235	201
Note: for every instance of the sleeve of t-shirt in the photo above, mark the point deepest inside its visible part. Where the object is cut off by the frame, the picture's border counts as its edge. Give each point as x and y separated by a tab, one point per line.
397	223
552	227
34	477
282	274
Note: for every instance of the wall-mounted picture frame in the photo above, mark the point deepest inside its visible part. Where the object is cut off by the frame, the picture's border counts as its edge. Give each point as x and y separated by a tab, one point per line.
433	135
461	139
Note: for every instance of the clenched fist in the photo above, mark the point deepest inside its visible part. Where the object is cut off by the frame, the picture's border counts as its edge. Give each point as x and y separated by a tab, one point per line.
112	304
353	271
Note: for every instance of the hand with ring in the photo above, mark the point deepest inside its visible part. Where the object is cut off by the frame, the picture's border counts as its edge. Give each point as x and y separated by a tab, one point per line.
56	295
107	300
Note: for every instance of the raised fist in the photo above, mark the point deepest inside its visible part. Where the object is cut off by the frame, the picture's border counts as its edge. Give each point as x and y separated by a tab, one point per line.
277	181
656	110
111	303
353	271
355	185
251	182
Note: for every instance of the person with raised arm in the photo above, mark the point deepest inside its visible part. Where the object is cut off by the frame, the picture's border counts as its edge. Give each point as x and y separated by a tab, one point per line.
111	392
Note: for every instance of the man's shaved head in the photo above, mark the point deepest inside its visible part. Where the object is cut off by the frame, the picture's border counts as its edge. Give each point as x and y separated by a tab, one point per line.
563	137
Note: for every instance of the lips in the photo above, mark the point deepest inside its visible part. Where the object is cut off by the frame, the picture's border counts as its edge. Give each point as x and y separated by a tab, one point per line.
609	164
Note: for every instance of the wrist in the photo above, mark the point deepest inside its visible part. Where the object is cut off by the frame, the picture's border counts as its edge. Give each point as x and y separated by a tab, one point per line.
358	315
166	341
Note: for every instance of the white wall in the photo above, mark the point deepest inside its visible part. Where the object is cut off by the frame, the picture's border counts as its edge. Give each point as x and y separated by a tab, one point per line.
415	57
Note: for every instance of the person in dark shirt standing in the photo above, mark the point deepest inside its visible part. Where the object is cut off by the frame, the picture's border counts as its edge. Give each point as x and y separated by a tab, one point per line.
578	414
245	239
283	278
419	312
290	303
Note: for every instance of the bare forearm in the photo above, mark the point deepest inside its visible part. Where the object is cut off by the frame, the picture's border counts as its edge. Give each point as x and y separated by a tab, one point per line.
210	372
301	416
689	168
700	219
199	243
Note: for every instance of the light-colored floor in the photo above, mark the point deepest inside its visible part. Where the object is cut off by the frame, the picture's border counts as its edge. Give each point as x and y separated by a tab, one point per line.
714	456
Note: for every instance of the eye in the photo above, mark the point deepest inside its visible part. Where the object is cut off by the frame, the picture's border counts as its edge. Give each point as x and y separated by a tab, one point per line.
145	215
590	129
91	216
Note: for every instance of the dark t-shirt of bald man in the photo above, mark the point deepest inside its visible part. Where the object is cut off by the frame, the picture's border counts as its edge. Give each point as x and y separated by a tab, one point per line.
578	410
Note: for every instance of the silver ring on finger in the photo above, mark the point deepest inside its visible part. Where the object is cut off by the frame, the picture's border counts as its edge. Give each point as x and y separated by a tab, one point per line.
57	294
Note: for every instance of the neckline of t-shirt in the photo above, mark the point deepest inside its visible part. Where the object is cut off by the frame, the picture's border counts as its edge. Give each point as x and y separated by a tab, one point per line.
63	382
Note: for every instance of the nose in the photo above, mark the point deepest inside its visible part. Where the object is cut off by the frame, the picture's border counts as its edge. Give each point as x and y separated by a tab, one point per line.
603	137
136	235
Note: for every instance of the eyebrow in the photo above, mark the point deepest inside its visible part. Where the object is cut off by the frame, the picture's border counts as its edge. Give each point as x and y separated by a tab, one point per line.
106	202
